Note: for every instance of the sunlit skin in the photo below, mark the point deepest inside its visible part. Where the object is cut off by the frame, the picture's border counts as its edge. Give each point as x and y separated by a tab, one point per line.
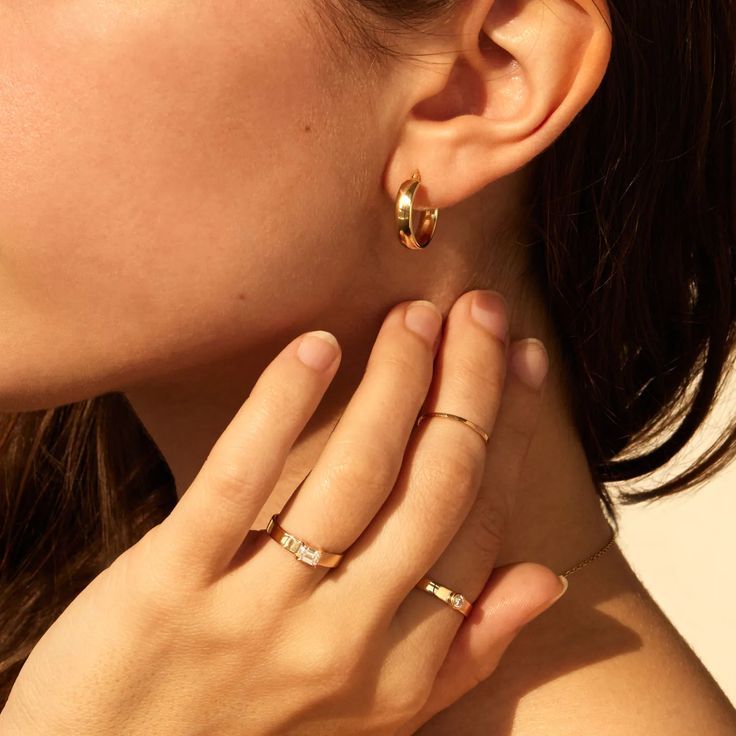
187	187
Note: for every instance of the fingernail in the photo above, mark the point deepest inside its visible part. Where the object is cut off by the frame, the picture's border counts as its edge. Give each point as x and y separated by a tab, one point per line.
530	362
565	584
488	309
318	349
424	319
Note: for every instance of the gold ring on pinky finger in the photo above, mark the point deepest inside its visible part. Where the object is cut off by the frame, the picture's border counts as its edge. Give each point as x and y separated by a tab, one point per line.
445	415
455	600
303	551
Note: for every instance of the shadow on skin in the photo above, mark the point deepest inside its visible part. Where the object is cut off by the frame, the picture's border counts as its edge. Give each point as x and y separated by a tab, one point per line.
570	636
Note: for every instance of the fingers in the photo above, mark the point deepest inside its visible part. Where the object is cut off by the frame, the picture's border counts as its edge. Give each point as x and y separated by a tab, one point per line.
212	518
469	558
514	596
444	463
362	458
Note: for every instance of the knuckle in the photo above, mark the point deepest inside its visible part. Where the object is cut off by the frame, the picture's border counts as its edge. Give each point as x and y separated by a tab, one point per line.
404	700
458	470
453	482
332	663
490	378
272	400
148	583
489	519
364	468
401	367
228	483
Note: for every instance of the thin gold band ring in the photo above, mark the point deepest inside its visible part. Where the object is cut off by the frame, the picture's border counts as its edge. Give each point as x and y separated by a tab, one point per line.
472	425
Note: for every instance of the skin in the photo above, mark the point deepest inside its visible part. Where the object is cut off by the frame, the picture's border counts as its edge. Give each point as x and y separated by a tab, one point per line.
185	188
201	612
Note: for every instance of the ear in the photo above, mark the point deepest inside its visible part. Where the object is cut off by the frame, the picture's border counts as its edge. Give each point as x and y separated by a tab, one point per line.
509	79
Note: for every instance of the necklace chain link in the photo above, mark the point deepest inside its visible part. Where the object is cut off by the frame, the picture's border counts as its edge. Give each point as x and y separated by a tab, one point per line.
593	557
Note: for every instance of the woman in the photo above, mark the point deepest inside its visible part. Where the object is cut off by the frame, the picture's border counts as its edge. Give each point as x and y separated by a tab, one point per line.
188	188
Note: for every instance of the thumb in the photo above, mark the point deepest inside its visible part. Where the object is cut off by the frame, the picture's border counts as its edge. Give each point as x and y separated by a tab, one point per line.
513	596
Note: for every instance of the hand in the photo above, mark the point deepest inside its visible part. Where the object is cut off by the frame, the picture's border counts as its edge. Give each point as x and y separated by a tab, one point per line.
204	628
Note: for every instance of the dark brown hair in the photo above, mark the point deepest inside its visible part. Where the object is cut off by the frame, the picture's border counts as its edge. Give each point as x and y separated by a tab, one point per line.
635	214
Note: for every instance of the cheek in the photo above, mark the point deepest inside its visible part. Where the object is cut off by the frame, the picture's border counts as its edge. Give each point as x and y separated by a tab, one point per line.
157	190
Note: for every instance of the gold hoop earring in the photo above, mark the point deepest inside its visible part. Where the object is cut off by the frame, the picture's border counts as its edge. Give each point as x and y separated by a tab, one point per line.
404	215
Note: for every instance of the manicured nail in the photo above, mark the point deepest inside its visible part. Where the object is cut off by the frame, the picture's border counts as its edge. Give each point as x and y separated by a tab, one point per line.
562	592
318	349
530	362
488	309
423	318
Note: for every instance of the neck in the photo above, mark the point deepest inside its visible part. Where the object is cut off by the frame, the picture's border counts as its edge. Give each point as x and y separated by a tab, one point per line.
557	519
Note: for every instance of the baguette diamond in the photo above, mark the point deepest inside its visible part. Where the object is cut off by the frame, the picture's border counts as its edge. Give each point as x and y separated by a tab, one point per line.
308	554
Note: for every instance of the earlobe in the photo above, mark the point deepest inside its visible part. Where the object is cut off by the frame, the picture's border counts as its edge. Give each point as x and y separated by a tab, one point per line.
525	70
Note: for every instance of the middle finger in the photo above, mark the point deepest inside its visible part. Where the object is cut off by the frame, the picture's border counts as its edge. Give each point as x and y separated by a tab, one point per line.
358	467
445	459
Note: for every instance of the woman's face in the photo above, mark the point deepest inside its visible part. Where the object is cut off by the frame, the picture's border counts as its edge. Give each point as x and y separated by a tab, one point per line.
179	180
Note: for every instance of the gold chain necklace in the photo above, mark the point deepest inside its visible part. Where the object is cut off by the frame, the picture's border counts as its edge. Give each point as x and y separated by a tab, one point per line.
592	557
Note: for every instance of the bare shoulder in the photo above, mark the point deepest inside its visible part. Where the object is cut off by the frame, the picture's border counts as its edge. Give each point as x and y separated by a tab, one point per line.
604	660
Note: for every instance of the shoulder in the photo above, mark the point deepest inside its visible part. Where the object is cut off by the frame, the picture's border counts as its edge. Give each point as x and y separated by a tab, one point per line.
604	660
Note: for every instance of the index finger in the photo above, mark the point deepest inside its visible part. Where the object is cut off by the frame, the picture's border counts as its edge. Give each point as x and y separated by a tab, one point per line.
209	523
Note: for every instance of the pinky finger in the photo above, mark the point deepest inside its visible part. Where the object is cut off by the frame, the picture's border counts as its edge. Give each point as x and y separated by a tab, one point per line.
513	597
